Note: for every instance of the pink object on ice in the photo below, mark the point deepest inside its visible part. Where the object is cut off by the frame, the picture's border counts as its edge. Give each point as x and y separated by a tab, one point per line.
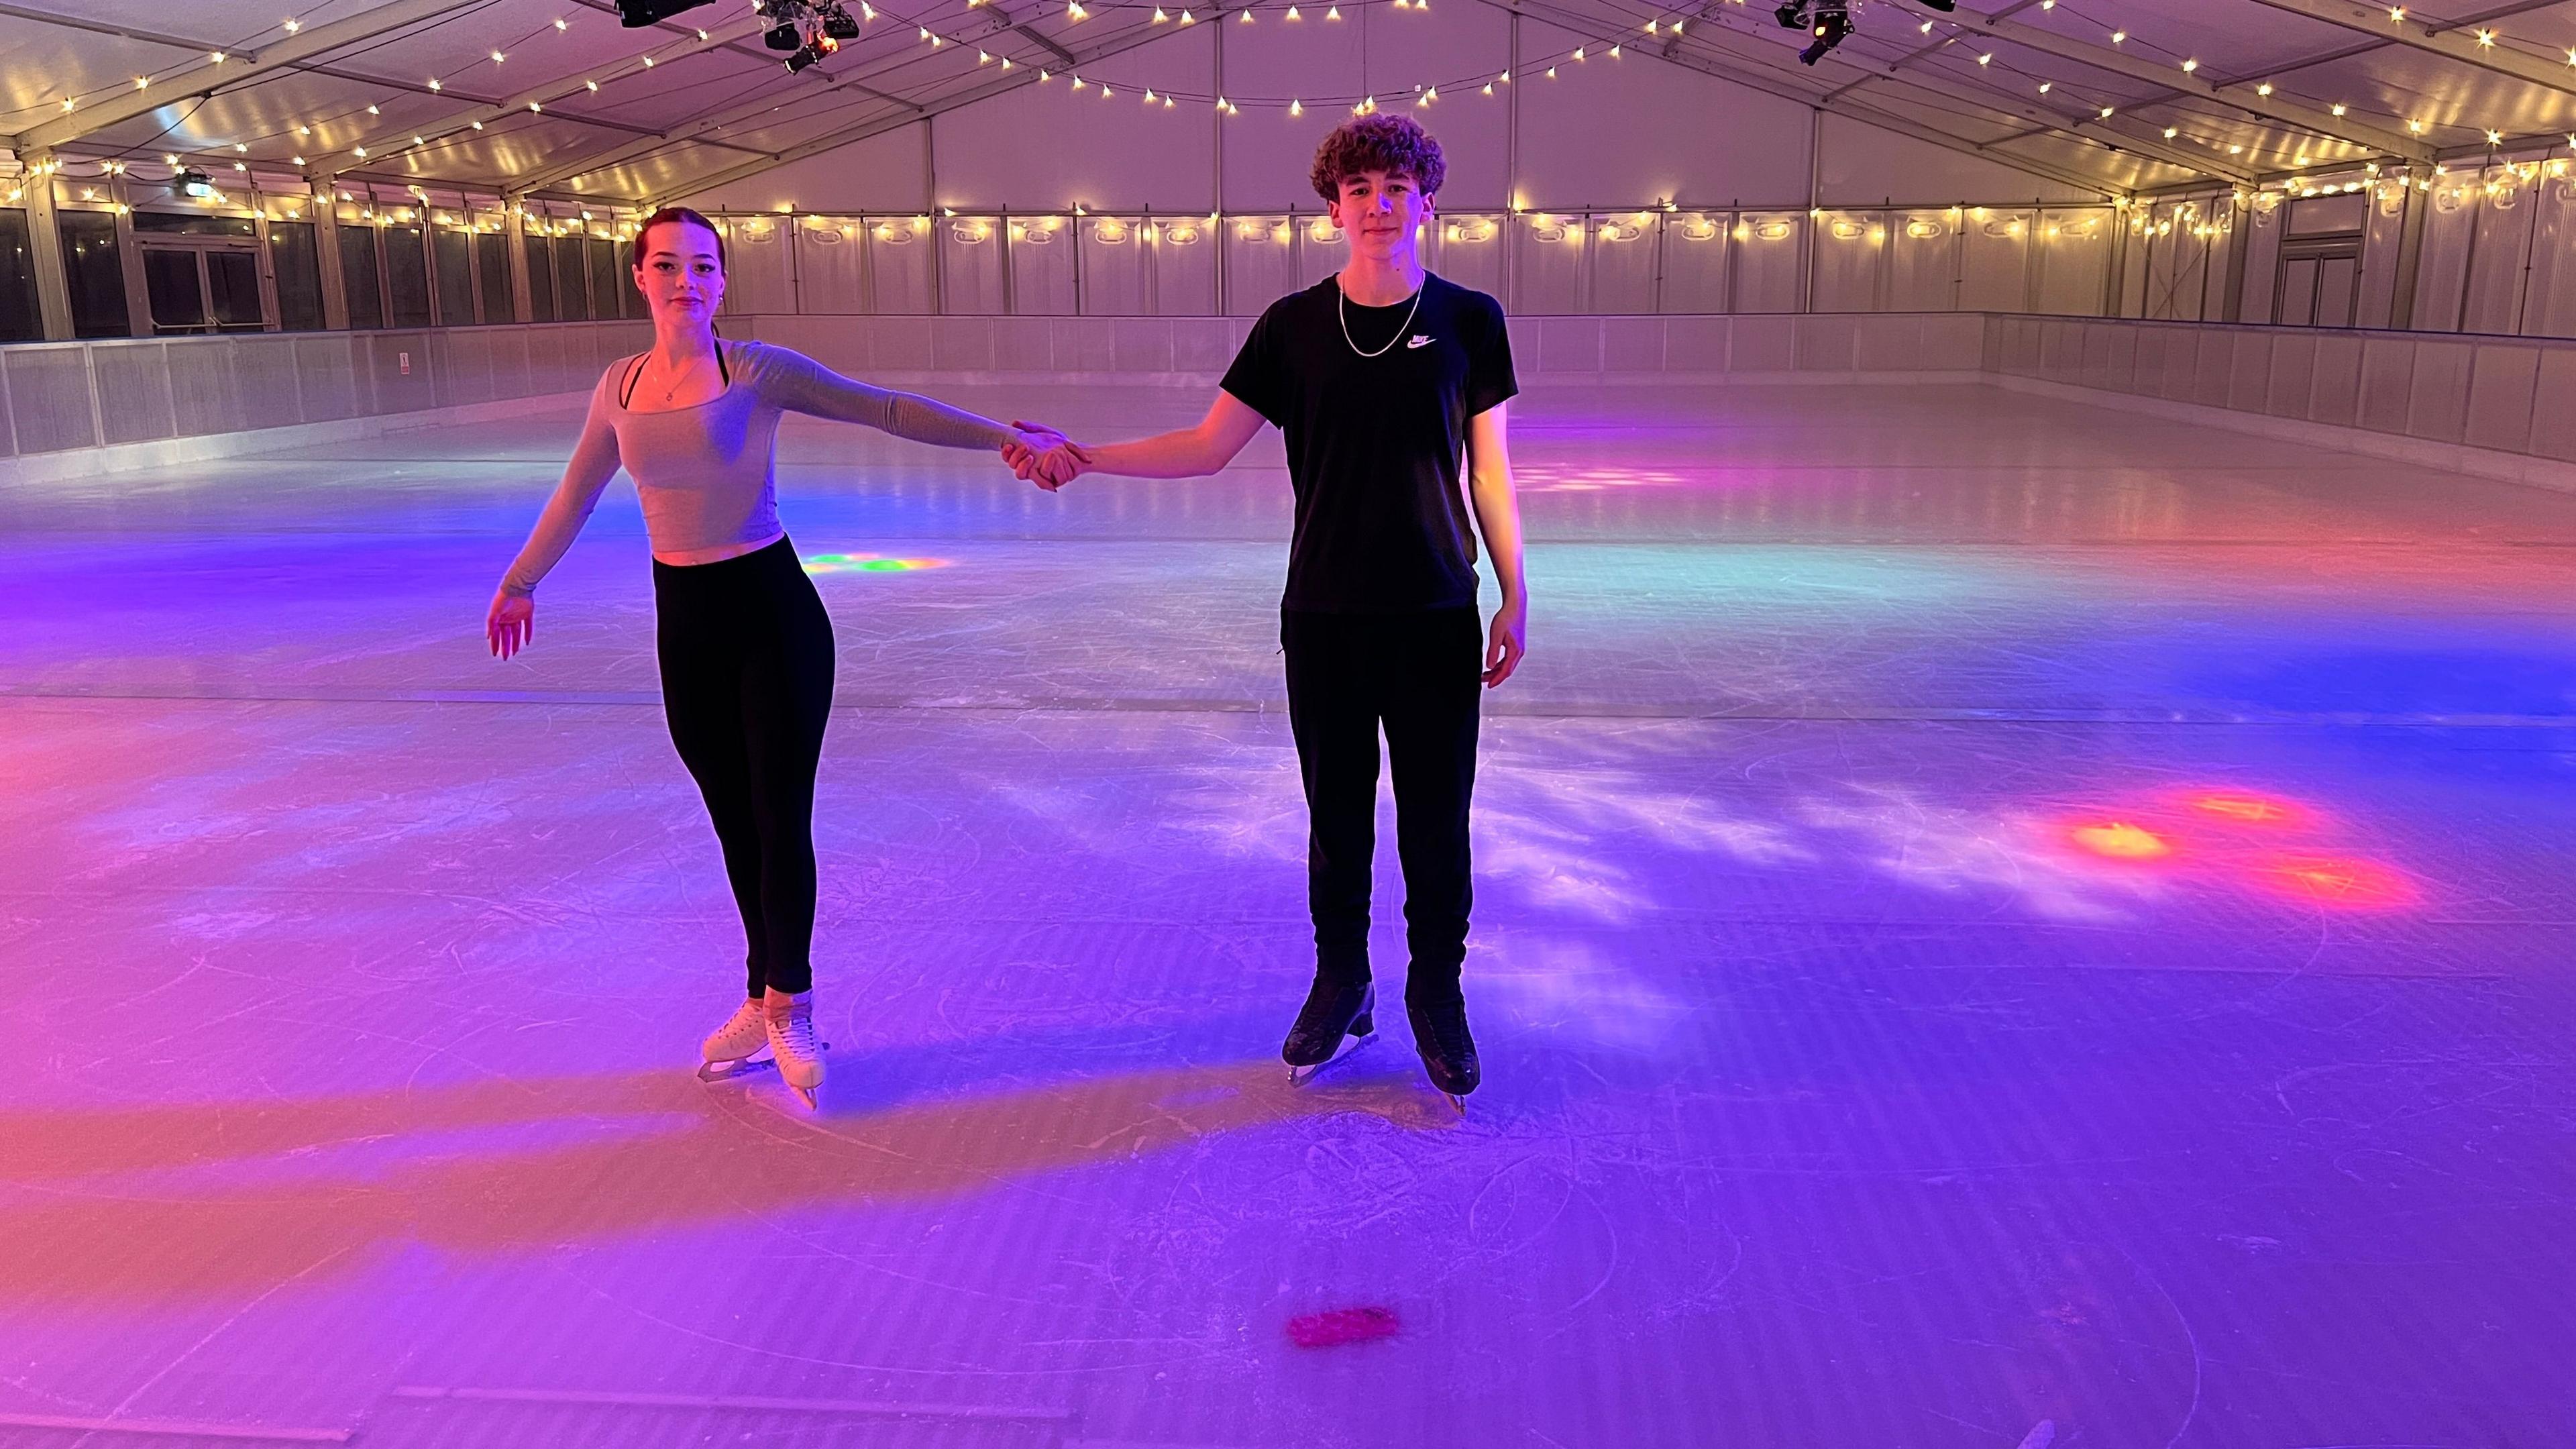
1340	1326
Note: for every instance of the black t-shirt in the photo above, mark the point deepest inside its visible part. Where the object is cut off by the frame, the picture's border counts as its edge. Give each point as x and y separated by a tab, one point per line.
1374	443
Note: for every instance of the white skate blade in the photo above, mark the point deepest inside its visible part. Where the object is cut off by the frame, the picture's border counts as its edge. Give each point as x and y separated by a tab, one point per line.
804	1095
727	1070
1342	1053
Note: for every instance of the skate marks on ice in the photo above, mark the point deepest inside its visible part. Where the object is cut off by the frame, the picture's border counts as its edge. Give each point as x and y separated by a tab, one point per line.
142	1203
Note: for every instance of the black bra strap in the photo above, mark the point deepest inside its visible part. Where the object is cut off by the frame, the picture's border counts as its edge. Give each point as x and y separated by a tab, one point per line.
635	374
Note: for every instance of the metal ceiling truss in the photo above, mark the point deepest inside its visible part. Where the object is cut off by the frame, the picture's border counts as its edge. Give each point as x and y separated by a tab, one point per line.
2454	40
1766	68
2236	95
209	75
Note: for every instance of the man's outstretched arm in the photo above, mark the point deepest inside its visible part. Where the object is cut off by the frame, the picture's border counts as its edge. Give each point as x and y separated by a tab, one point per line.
1498	517
1185	453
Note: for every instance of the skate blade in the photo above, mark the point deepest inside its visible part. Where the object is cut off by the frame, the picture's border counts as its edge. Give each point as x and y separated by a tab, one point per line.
1458	1102
728	1070
804	1095
1350	1045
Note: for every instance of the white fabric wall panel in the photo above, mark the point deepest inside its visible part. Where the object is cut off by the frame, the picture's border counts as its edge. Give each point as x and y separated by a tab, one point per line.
1470	251
2074	259
1695	250
901	259
2549	306
1996	274
1182	254
1851	248
881	173
759	271
831	265
1549	268
1267	151
1624	259
2389	201
1621	132
1117	275
1048	146
1398	50
1042	267
1862	165
1320	251
1260	263
970	264
2442	274
2492	300
1923	261
1765	259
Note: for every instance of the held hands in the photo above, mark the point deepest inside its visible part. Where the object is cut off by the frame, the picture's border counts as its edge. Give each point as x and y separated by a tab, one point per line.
1507	642
511	624
1044	456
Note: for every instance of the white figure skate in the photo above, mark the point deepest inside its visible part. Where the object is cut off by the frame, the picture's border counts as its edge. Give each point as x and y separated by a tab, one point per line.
792	1044
730	1050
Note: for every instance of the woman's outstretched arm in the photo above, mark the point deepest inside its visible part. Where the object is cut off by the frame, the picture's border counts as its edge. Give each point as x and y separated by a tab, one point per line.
511	621
800	384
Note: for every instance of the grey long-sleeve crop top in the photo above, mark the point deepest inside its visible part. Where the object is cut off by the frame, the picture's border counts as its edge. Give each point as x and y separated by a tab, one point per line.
707	475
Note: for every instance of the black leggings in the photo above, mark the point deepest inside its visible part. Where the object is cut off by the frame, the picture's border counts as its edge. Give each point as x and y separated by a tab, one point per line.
746	653
1419	675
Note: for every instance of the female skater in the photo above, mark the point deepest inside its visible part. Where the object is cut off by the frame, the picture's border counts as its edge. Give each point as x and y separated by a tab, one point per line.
744	642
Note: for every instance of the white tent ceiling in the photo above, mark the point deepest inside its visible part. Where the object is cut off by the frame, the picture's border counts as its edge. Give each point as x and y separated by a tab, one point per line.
569	108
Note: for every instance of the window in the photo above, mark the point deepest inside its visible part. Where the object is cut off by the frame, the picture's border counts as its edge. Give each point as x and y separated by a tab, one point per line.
541	278
292	254
358	280
96	271
492	255
455	278
407	276
19	319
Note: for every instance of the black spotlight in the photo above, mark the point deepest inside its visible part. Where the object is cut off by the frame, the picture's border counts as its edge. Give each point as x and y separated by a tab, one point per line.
1792	14
193	184
838	25
803	58
1830	27
632	13
1944	6
782	37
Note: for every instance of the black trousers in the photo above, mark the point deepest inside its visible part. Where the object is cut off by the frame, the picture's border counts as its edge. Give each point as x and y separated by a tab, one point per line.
1417	675
746	654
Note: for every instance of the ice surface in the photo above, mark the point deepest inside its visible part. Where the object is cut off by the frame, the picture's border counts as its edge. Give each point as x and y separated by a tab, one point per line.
1998	922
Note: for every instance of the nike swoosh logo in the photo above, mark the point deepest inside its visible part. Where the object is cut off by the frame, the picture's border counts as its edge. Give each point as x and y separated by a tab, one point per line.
1418	341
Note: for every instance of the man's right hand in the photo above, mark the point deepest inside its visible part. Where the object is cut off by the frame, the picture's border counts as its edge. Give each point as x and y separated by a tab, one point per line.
1045	457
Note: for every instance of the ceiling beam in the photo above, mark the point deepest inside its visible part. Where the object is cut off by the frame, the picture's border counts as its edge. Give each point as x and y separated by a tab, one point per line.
2234	94
996	22
209	76
1141	33
2118	132
535	97
2455	41
1919	52
1765	71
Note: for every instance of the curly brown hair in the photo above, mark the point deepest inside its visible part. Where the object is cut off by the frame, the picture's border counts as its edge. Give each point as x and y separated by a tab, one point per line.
1392	144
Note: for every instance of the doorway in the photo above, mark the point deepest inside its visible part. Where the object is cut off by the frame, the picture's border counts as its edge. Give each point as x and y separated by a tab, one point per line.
2320	282
202	287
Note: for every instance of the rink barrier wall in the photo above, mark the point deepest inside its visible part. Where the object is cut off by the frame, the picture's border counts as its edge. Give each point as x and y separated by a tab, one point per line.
2498	407
71	409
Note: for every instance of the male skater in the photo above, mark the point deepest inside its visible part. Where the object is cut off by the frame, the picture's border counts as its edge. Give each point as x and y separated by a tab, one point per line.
1380	377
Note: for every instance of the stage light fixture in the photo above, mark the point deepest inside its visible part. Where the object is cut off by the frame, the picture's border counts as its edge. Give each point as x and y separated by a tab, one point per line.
802	59
632	13
838	24
1944	6
193	184
1831	24
783	37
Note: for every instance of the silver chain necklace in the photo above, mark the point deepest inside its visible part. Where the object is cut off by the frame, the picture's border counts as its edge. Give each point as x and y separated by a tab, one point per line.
1342	309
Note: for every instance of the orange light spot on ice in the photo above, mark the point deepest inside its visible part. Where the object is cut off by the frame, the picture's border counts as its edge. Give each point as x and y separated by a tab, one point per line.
2337	881
2121	841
